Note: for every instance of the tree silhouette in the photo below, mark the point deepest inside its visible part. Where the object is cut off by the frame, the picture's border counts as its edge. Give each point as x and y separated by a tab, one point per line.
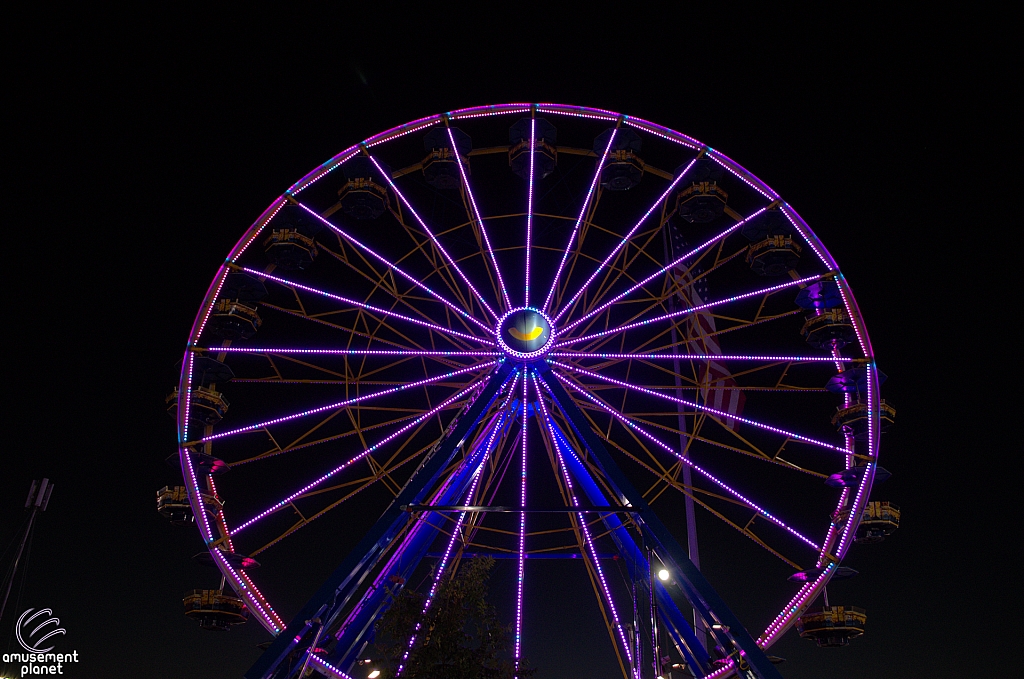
458	637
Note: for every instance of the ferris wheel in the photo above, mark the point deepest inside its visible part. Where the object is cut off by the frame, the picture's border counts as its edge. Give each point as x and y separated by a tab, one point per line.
531	331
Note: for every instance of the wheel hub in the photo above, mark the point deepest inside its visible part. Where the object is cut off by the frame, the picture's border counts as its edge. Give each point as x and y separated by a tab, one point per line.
525	334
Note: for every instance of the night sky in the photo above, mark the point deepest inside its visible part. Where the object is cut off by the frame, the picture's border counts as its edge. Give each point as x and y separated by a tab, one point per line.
144	146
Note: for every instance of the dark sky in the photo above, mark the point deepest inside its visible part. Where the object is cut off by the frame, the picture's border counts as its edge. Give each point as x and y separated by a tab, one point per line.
141	147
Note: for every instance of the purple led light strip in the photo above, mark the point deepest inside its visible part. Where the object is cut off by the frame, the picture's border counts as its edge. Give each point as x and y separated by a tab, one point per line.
702	357
686	460
358	457
218	283
850	304
271	621
341	158
690	310
220	514
487	111
325	666
185	394
579	220
625	240
577	111
848	301
480	221
457	309
195	494
810	241
322	171
430	233
353	352
795	605
845	495
691	404
368	307
664	132
830	535
347	402
252	595
257	228
744	176
866	478
529	209
402	130
522	538
654	275
583	523
443	564
841	279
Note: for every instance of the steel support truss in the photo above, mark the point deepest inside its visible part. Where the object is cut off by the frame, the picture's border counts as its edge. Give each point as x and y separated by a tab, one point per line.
349	601
353	575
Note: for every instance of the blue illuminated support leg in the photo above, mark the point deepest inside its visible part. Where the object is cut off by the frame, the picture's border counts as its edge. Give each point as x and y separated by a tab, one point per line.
683	637
348	579
749	660
359	619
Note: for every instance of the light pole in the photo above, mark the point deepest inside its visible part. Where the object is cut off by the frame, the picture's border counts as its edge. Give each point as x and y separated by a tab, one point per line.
38	498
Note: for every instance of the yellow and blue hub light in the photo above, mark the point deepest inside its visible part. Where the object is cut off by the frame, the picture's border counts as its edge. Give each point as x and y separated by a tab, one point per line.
525	333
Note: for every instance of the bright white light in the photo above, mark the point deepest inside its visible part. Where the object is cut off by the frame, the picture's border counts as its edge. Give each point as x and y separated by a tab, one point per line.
663	575
374	674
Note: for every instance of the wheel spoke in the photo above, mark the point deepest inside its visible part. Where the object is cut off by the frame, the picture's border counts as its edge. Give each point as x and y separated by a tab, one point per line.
691	310
308	487
480	223
529	226
345	329
386	282
433	238
616	267
517	657
358	352
412	279
366	307
297	445
345	403
752	451
686	489
697	406
362	484
579	220
702	357
625	240
668	267
627	422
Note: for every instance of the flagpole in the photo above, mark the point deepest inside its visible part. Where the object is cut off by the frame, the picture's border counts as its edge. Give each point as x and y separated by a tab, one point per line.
699	627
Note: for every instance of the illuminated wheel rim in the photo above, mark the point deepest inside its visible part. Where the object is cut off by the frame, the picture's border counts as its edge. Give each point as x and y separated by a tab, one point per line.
657	326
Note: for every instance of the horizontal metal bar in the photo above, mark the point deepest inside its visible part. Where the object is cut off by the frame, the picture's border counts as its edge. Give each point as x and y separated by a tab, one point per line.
518	510
515	555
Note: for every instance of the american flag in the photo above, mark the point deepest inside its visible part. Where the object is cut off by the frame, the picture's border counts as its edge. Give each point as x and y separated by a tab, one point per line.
716	384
